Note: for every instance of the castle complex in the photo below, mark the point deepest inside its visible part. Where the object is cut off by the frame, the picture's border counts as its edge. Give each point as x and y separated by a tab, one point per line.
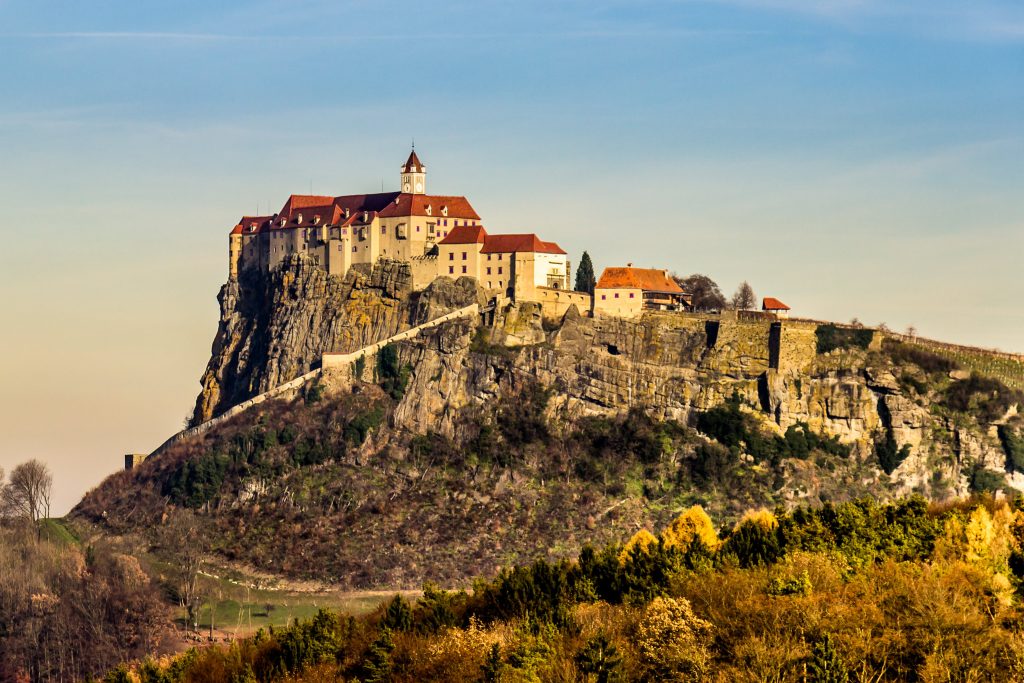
440	235
443	236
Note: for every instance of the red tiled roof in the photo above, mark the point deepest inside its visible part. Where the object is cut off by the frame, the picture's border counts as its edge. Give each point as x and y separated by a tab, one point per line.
647	279
770	303
245	224
466	234
406	204
505	244
412	164
385	204
500	244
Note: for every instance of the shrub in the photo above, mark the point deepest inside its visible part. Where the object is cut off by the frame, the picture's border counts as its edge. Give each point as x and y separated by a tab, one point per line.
831	338
393	376
791	585
889	454
984	397
932	363
1013	445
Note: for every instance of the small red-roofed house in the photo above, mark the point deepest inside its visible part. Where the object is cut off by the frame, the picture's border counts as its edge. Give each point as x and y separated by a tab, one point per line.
772	305
628	292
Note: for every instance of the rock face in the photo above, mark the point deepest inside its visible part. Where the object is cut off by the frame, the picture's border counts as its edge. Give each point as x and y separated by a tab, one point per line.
672	366
277	328
668	365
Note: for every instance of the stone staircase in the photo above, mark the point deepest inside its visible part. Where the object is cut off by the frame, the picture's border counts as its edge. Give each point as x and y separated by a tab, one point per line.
329	361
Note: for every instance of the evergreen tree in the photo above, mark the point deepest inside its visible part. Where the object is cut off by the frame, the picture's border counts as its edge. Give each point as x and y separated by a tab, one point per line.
826	666
601	659
377	666
585	279
398	615
490	670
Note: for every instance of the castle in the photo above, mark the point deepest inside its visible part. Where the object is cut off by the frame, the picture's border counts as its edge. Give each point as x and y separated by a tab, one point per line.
439	235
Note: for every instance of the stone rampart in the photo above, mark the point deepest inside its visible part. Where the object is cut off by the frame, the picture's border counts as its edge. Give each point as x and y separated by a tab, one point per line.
555	302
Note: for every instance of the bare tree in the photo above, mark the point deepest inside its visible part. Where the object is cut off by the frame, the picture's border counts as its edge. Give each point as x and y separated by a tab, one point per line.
27	495
181	543
744	299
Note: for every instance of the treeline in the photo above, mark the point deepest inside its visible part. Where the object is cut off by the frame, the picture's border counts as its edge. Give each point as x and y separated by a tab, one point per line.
858	591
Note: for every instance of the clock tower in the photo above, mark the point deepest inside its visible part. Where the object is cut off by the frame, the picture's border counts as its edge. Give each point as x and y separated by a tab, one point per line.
414	175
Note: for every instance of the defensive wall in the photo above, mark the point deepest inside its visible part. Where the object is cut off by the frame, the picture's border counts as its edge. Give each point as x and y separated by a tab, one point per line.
332	362
555	302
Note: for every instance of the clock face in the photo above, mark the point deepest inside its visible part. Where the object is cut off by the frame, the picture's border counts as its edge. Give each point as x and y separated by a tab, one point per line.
419	187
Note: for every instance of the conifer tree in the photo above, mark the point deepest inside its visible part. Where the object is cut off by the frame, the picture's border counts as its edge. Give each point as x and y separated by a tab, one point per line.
585	280
826	666
377	666
601	659
398	615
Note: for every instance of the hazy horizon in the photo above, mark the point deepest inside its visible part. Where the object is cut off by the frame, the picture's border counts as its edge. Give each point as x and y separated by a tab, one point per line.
850	158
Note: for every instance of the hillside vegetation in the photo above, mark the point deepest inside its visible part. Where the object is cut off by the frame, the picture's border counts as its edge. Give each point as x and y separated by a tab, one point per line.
850	592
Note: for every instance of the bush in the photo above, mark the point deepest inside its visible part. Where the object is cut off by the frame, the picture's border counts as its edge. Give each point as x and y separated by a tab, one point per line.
831	338
932	363
393	376
987	481
1013	445
889	454
986	398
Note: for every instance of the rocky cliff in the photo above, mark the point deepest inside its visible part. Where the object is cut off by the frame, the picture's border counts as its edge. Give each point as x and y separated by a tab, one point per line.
486	442
273	329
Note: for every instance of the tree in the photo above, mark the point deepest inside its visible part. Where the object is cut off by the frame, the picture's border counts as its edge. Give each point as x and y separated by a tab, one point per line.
826	666
180	540
692	525
601	659
585	280
704	292
672	642
28	493
397	615
744	299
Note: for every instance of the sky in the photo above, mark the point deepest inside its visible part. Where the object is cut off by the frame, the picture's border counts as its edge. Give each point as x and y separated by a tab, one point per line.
854	158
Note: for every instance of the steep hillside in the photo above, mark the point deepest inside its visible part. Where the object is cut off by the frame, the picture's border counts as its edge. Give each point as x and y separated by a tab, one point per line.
484	443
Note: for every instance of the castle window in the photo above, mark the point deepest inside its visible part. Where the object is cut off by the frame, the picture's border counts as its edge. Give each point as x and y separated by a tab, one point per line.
451	255
616	295
488	270
451	270
603	297
354	248
383	230
499	270
463	256
463	269
631	295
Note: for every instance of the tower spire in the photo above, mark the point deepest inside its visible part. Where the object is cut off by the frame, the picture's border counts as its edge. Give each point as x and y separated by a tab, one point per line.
414	174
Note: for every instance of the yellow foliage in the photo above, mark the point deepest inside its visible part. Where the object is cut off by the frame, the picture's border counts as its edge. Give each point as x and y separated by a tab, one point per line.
672	642
692	524
643	538
762	517
985	542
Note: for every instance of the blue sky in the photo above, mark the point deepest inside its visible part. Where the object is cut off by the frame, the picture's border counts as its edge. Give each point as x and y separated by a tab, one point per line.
853	158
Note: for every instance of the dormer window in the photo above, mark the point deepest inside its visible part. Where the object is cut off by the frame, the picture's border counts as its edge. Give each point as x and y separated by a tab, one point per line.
444	210
430	210
346	213
283	221
316	220
252	227
298	219
366	216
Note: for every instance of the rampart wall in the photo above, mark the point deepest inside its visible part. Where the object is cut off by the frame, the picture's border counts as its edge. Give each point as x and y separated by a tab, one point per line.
555	302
